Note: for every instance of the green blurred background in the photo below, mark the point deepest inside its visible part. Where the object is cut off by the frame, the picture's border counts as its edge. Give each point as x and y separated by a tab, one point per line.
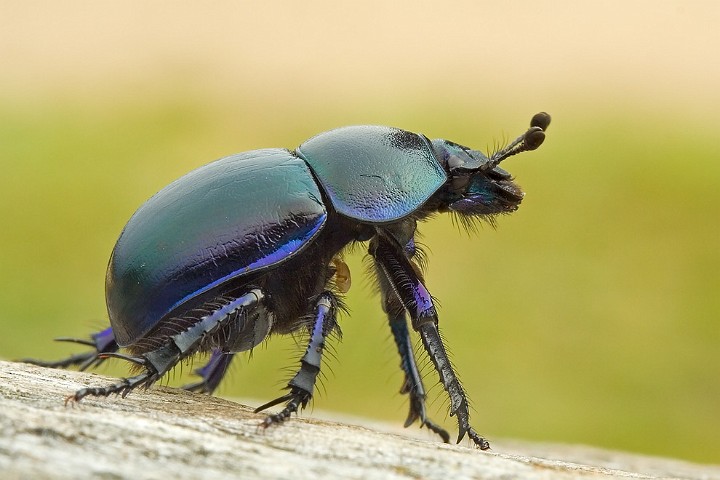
589	316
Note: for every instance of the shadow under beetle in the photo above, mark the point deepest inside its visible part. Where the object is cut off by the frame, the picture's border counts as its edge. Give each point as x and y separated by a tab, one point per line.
251	245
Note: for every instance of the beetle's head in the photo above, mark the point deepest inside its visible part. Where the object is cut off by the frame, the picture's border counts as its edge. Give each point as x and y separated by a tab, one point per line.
476	185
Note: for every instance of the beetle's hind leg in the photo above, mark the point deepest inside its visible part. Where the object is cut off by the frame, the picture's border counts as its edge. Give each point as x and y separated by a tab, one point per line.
219	313
412	384
211	373
102	342
303	383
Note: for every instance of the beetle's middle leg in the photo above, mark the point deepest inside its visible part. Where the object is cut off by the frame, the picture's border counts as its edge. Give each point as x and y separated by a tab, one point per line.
408	285
303	383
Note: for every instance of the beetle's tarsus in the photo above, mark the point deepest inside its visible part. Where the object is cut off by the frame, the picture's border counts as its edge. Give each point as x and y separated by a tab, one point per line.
417	412
296	399
122	388
477	439
437	429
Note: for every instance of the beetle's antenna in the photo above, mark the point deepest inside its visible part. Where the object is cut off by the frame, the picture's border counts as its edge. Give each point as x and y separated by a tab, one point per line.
530	140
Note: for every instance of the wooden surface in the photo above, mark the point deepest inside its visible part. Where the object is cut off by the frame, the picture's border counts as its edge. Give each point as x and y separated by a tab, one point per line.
165	433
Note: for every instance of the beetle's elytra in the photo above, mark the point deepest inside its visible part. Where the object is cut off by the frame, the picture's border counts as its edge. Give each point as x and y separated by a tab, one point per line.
251	245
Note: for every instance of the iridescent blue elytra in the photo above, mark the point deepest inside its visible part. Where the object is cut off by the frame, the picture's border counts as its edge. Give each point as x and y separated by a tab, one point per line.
230	217
251	245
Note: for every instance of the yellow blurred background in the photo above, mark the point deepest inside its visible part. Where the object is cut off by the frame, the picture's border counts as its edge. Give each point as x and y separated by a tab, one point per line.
589	316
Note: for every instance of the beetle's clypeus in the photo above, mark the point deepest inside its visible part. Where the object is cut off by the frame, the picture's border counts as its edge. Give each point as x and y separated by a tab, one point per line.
251	245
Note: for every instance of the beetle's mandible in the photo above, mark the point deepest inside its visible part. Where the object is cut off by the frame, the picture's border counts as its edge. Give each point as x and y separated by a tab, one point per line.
251	245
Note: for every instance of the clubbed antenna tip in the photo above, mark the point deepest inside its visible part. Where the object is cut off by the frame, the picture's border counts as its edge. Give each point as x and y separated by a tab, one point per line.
541	120
530	140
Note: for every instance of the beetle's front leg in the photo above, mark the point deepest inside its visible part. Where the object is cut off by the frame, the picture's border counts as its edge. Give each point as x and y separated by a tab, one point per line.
302	384
409	287
412	384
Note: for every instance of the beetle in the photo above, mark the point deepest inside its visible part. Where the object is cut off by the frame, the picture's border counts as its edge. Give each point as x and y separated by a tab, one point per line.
251	245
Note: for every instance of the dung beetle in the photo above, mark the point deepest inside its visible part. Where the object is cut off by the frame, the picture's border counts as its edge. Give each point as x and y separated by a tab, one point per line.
251	245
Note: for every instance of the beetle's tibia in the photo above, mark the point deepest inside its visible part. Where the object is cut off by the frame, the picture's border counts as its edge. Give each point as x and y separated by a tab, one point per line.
187	342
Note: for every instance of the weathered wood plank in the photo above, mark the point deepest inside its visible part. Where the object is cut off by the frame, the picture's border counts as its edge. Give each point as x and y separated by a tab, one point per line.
169	433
